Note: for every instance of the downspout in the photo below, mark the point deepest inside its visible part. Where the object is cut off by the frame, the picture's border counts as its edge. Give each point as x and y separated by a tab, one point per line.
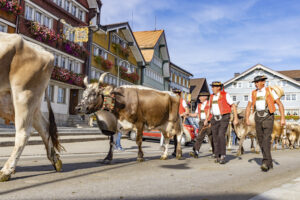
18	19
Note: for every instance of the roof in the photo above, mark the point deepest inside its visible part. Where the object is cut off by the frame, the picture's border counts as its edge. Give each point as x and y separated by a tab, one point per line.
147	39
196	86
294	74
176	66
148	54
260	66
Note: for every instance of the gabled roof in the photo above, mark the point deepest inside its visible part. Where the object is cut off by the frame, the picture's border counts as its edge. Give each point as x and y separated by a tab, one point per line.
259	66
181	69
294	74
125	27
196	86
147	39
148	54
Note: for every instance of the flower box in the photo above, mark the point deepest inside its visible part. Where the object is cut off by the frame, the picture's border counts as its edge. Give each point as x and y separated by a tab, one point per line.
42	33
107	64
67	76
11	6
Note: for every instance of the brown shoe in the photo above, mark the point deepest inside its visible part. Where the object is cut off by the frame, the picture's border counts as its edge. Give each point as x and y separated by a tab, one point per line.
222	160
264	167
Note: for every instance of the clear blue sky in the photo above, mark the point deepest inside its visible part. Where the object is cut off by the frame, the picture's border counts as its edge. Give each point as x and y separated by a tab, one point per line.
215	38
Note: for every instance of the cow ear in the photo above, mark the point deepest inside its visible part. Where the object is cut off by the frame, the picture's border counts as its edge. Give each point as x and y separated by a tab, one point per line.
85	81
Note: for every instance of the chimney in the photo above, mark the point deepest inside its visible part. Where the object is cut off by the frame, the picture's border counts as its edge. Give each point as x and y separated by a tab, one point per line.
236	74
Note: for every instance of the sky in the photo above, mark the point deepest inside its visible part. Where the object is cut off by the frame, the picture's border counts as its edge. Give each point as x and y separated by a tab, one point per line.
216	38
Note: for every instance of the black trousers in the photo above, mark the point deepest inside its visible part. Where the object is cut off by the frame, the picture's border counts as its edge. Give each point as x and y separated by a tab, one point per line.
219	129
264	129
201	136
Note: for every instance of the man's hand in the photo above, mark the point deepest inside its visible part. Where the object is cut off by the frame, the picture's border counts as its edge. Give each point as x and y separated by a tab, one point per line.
247	122
235	121
205	122
282	121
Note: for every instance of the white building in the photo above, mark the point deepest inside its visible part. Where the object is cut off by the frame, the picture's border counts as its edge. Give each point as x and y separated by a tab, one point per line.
240	86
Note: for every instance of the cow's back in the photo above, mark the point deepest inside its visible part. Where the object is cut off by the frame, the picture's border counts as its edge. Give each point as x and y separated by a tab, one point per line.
23	63
152	106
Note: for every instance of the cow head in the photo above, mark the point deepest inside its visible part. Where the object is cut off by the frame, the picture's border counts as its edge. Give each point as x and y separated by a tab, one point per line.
92	98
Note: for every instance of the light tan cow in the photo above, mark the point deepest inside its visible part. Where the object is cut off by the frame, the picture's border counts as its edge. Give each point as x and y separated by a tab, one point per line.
293	135
25	70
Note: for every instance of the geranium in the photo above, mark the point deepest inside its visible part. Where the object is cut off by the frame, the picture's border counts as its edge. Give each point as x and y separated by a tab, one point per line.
107	64
11	6
67	76
42	33
125	52
133	76
75	49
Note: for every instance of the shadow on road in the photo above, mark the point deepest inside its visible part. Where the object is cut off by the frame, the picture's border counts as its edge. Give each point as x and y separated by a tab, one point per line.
259	161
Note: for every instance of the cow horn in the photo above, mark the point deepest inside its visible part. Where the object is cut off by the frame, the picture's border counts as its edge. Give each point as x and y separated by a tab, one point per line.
85	81
101	79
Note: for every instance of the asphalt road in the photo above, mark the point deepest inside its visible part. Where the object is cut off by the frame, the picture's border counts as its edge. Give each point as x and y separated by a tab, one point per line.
85	177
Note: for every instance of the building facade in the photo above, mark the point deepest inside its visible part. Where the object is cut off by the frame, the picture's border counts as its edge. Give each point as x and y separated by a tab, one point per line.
180	80
241	85
51	24
8	16
115	50
153	45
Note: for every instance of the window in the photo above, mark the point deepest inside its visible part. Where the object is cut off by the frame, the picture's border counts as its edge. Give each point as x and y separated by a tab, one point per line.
283	83
50	90
61	96
74	10
63	62
71	66
80	15
294	97
246	98
288	97
38	17
55	60
67	5
59	2
3	28
28	13
240	85
234	98
234	85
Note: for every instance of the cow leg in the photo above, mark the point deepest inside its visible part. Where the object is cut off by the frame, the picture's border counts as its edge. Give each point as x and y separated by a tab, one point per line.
240	149
24	105
229	138
164	156
252	145
109	157
41	125
139	140
178	147
272	142
257	146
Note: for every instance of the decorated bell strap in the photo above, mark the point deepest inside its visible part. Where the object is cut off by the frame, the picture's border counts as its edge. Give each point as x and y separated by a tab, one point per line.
109	102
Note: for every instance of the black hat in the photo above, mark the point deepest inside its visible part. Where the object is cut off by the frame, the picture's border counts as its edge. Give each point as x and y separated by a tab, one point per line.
216	83
259	78
204	94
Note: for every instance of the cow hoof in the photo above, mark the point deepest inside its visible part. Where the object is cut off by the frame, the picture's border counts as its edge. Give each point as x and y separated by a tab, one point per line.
58	165
4	177
252	150
140	159
257	152
178	156
238	154
163	157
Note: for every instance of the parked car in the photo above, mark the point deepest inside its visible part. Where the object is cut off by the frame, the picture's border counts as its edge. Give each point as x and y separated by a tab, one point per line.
188	133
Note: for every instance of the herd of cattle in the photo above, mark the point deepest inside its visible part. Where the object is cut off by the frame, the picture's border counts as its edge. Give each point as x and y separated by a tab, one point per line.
25	73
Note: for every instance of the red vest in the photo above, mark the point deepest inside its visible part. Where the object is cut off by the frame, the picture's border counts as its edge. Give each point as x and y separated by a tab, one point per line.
224	107
206	109
269	99
181	108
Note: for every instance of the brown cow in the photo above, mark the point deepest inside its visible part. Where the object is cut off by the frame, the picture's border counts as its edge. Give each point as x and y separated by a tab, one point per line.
138	108
25	73
293	135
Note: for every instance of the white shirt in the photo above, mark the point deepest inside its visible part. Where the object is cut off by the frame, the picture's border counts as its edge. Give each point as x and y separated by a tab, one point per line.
260	103
202	115
215	110
184	104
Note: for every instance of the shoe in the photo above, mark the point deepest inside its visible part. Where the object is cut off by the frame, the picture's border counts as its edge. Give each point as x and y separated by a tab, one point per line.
222	160
264	167
194	154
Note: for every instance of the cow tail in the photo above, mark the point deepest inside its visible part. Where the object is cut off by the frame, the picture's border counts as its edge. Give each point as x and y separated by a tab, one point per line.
52	127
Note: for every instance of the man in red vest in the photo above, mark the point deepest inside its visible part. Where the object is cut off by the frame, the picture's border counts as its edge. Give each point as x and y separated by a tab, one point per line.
220	108
201	110
262	100
183	112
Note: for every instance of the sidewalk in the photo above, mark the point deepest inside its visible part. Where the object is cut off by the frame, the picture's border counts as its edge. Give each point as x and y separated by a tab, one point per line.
66	135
